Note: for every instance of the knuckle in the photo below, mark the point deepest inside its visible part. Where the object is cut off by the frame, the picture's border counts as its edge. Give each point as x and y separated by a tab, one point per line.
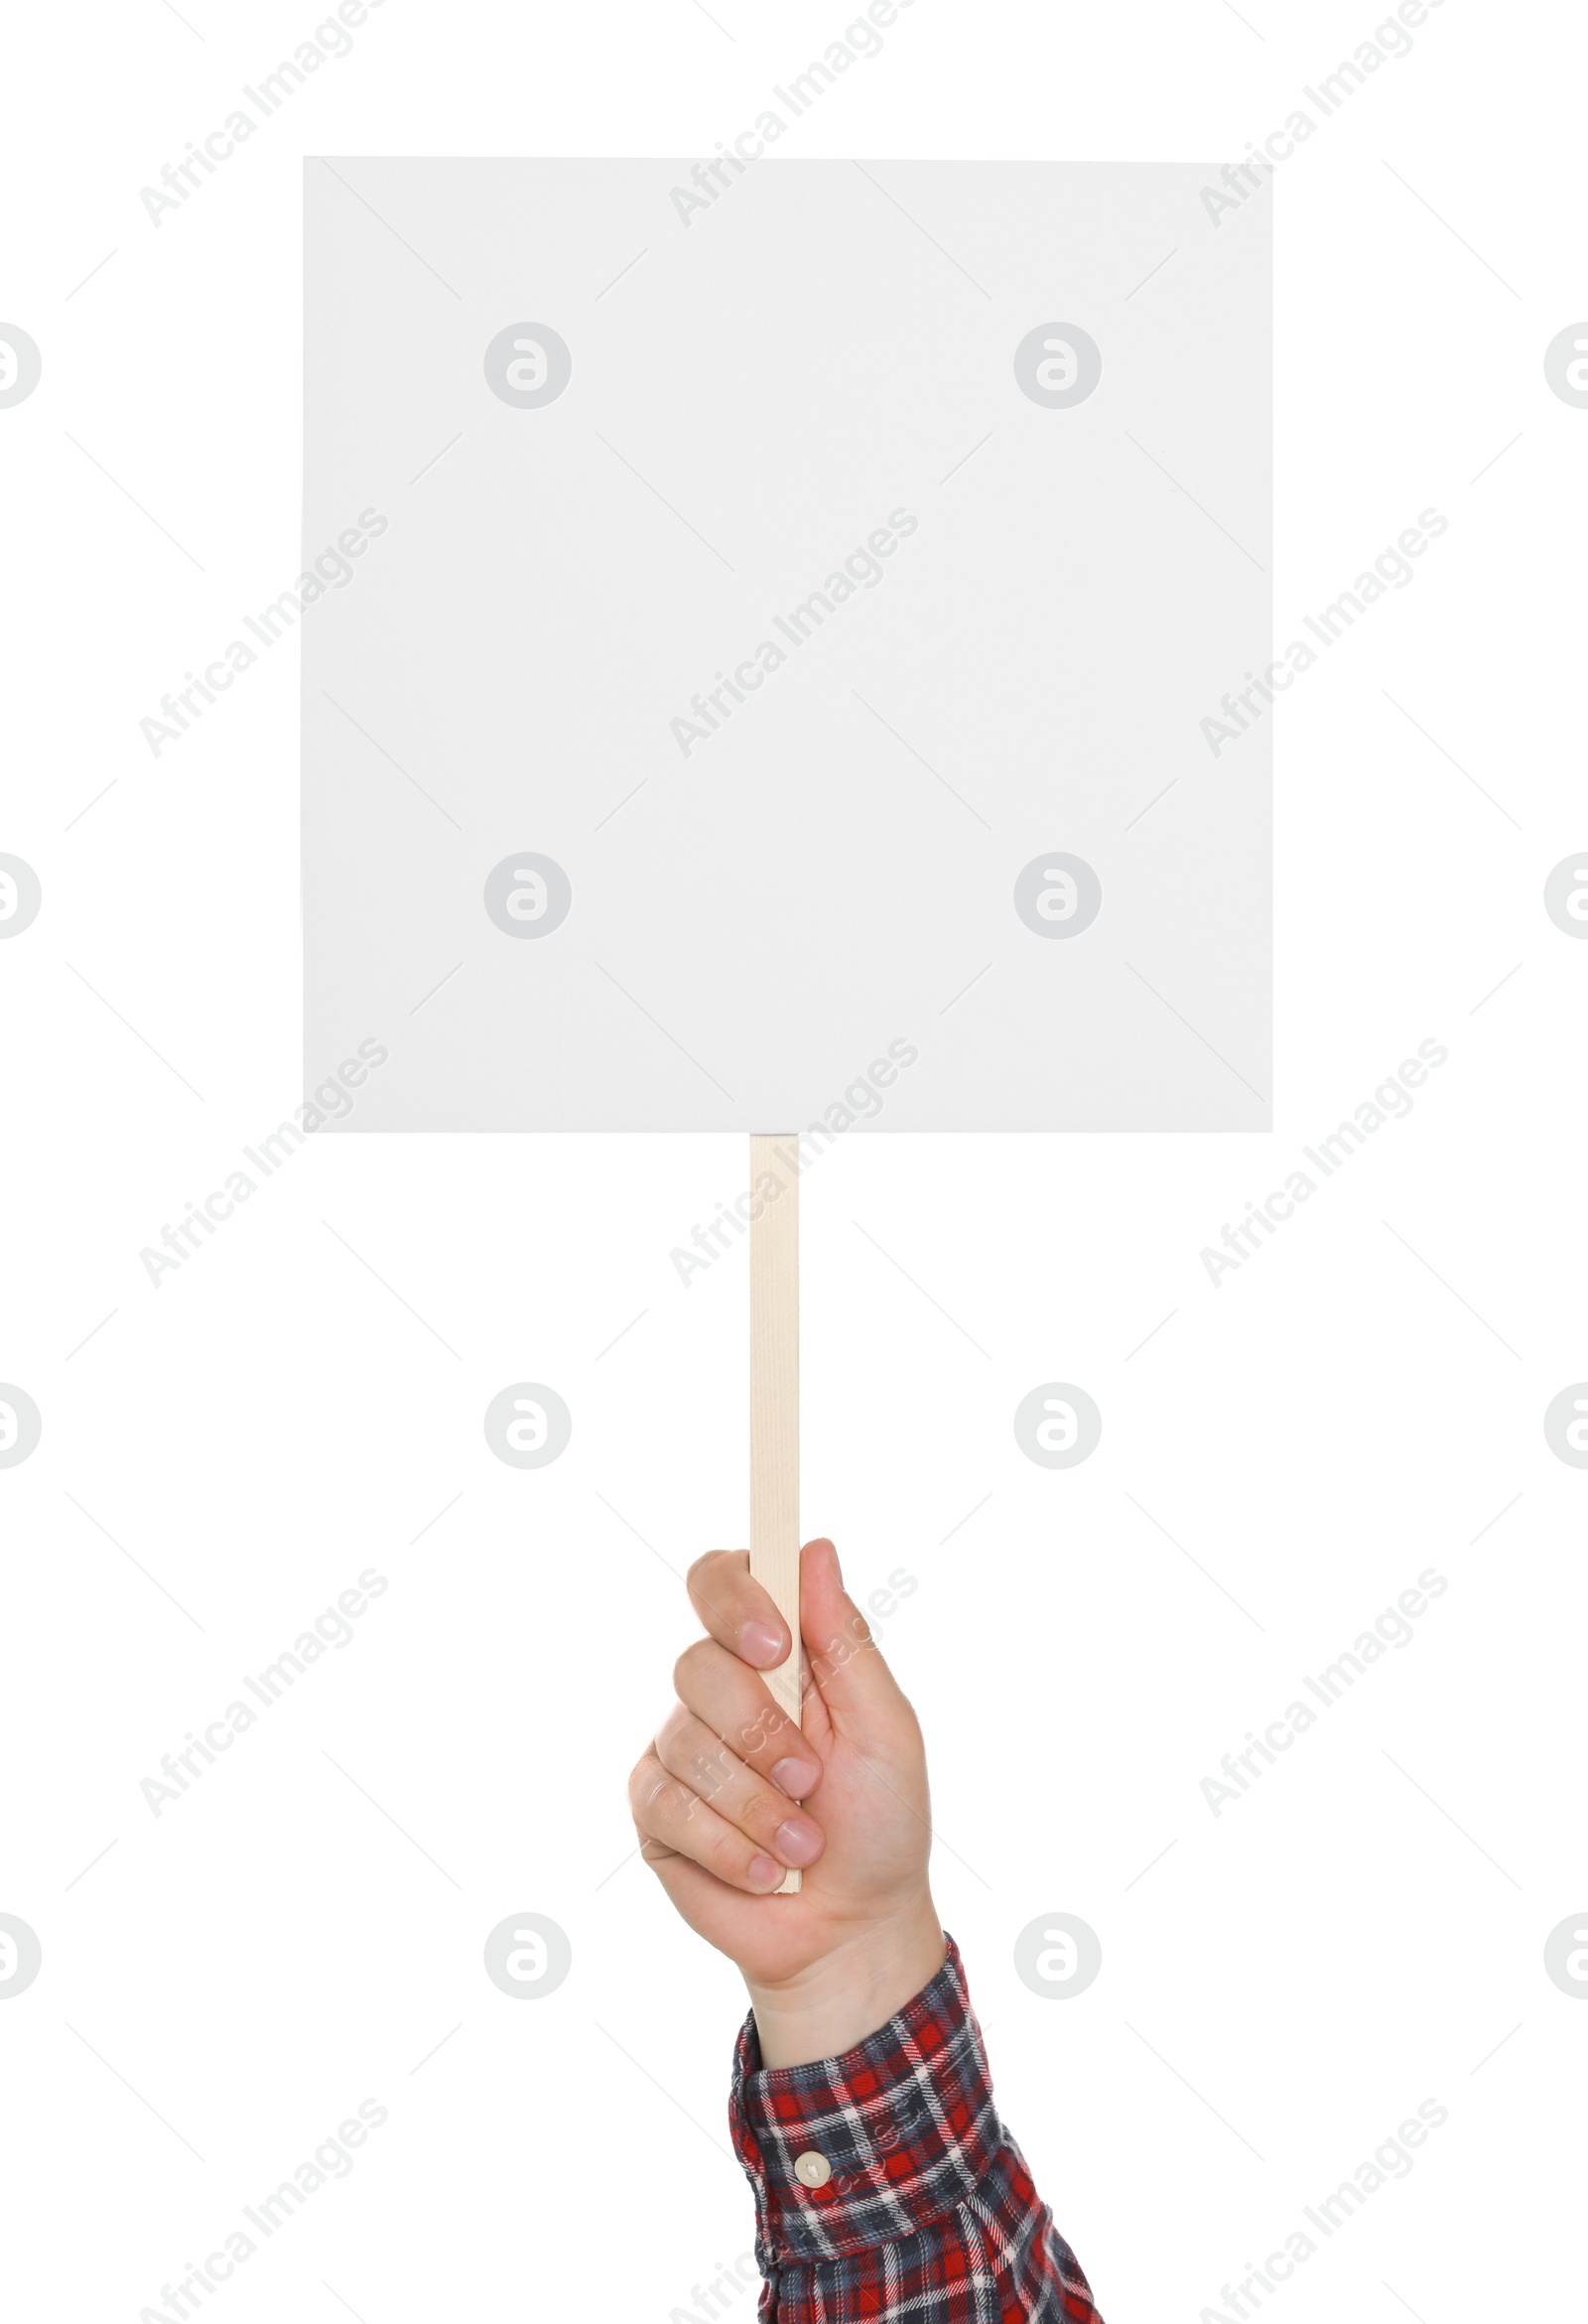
710	1769
763	1811
656	1795
691	1663
708	1572
729	1856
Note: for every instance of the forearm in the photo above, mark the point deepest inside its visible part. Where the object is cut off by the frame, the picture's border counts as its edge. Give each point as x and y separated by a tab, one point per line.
885	2184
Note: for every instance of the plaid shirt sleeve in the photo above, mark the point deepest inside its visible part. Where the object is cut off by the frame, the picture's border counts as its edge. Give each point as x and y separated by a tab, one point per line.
923	2208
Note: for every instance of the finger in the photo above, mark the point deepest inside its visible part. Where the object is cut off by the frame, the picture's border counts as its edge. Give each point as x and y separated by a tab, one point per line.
738	1707
844	1663
735	1610
690	1750
672	1822
707	1903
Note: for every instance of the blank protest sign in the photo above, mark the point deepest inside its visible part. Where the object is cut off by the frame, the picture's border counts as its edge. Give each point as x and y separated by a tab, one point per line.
787	645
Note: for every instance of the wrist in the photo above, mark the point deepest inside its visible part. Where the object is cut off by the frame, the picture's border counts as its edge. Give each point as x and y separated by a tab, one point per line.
848	1994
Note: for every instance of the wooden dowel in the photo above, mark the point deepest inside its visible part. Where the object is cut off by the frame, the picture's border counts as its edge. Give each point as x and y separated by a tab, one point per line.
775	1404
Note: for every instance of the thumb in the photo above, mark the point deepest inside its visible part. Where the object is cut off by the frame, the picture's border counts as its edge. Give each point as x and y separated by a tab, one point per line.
845	1666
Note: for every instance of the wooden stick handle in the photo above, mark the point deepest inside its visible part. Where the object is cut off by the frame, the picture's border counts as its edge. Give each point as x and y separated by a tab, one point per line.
776	1401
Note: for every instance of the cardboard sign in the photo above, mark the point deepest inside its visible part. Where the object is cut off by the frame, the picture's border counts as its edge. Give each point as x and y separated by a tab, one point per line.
777	619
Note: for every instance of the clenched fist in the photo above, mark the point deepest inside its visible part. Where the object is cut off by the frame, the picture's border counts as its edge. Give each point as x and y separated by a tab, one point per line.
731	1793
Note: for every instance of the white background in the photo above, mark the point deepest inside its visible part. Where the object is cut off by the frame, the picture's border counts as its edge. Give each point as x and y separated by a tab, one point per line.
1289	1981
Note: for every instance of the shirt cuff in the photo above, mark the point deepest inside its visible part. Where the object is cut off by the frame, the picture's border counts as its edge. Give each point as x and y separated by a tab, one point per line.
895	2134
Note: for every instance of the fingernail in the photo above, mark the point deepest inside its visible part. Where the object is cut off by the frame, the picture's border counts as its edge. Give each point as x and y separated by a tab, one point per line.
763	1874
795	1776
759	1643
798	1841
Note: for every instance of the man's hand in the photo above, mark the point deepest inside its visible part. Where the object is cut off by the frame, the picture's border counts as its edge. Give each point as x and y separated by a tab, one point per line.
714	1796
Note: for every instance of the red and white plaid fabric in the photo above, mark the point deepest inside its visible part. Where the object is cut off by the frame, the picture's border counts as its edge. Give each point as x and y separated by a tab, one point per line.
930	2213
